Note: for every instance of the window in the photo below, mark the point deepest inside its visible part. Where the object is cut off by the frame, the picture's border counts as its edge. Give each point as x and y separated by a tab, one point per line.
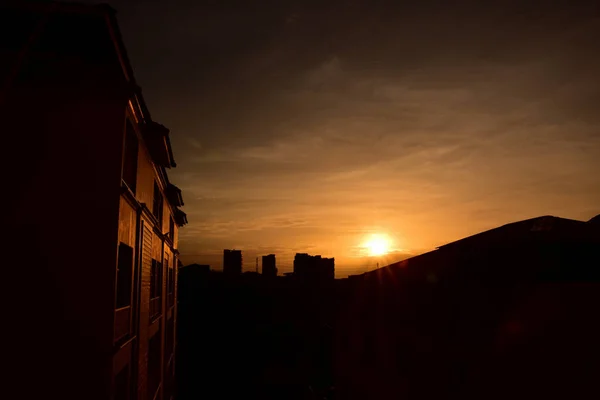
156	279
130	157
171	281
155	288
154	365
124	276
157	205
172	229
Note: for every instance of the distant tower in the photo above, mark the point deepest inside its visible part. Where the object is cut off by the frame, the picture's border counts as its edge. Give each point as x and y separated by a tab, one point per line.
232	262
257	265
313	269
269	267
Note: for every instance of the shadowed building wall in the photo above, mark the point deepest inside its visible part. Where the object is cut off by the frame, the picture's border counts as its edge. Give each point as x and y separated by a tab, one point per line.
508	310
93	199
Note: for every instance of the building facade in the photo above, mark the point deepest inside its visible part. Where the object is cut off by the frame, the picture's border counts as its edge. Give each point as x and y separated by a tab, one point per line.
232	262
313	269
506	309
102	243
269	266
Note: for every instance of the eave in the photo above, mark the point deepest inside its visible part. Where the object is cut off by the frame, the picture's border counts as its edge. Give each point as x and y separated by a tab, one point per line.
174	195
180	218
157	139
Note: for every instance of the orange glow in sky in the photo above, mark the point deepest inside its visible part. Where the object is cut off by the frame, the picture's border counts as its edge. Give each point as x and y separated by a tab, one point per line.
320	134
377	245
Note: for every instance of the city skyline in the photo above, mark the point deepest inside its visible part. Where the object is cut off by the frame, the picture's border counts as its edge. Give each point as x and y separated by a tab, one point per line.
386	259
440	161
313	127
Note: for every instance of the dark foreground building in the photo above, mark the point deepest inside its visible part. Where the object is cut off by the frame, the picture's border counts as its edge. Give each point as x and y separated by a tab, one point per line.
93	214
251	337
510	312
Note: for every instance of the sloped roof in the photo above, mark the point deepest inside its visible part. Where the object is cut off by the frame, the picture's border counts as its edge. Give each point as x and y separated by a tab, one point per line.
107	18
595	220
546	223
556	227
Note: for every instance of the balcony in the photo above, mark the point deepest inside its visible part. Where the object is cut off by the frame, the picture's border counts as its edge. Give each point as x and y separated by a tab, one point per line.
180	217
174	195
157	139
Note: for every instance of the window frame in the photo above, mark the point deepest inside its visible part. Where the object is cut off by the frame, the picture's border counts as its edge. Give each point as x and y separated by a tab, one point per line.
158	204
156	289
130	133
121	246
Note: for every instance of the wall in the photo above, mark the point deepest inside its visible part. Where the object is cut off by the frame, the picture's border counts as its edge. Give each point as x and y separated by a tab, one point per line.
459	321
65	144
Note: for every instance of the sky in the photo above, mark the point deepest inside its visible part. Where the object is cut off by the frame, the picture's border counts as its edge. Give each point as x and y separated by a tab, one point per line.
309	126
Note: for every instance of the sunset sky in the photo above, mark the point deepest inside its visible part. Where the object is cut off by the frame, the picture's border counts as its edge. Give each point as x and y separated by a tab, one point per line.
307	127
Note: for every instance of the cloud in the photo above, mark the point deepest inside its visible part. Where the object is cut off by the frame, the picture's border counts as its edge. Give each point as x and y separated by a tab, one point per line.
325	74
397	155
427	124
194	143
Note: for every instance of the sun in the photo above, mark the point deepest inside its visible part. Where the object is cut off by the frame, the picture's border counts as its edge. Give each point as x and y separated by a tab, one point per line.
377	245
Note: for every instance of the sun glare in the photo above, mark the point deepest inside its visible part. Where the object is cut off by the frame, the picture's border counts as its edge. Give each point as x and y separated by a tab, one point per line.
377	245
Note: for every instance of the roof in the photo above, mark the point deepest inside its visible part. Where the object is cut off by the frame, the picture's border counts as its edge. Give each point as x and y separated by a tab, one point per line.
520	229
26	25
525	229
595	220
108	14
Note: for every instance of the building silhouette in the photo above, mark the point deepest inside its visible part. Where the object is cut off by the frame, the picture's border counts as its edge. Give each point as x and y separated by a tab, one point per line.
507	308
232	262
269	267
93	196
313	269
190	278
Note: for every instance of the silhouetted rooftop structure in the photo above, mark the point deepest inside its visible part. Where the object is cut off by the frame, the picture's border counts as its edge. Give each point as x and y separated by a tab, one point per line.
313	269
269	267
512	237
471	303
526	229
595	220
232	262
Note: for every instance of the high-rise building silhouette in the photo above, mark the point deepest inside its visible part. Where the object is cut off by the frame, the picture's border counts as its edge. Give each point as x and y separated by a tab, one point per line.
232	262
269	267
313	269
327	268
93	197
